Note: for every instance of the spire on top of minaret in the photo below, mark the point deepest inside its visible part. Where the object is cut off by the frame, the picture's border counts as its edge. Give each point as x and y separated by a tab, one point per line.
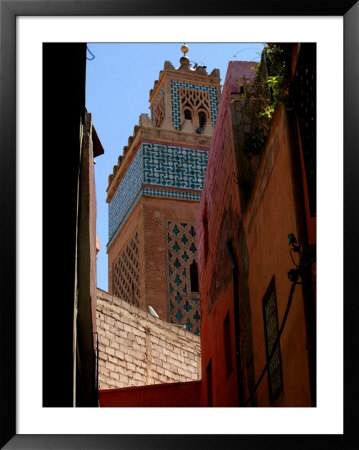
184	49
184	60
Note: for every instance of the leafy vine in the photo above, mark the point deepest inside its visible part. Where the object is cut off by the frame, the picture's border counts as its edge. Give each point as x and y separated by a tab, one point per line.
260	99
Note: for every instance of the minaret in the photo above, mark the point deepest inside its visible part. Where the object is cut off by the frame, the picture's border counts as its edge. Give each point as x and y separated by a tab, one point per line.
154	193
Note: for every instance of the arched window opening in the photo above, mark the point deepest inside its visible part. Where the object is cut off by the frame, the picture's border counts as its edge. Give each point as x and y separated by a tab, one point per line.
202	116
194	277
188	114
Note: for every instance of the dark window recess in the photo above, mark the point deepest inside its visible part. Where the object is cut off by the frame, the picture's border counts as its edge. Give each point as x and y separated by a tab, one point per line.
187	114
270	315
304	96
194	277
202	119
209	384
227	345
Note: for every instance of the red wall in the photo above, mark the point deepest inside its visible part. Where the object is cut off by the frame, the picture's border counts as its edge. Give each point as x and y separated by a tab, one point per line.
157	395
221	204
257	227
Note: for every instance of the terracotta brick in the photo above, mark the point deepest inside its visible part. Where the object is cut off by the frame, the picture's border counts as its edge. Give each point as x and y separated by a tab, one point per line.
155	340
128	358
119	354
139	377
102	355
127	348
114	375
124	379
110	350
104	340
110	366
127	327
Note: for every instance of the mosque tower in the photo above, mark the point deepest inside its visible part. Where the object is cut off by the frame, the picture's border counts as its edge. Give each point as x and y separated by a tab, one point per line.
154	193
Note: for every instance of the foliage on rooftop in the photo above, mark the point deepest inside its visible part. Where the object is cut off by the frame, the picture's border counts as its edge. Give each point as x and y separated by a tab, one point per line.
260	99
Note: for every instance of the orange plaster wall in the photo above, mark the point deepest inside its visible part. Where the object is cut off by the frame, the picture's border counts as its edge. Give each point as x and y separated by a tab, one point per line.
267	221
269	256
224	390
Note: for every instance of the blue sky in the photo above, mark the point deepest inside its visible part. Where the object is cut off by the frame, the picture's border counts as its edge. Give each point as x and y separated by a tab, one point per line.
118	81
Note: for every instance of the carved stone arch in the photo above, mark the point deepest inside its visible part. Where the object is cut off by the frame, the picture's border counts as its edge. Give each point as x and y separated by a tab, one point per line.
202	118
196	101
188	113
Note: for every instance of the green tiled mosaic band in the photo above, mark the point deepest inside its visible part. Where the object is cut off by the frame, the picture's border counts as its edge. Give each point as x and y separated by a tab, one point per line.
171	194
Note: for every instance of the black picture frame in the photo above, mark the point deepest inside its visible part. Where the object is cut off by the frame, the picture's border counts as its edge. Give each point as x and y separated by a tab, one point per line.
9	10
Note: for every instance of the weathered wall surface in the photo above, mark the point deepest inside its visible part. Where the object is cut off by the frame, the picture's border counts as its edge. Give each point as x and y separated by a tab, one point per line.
271	217
220	210
234	283
138	349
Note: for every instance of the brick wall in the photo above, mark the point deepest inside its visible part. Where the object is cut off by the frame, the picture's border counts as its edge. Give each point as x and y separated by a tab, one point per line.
137	349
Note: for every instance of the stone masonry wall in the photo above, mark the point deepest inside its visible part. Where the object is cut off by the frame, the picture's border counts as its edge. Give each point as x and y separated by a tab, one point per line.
137	349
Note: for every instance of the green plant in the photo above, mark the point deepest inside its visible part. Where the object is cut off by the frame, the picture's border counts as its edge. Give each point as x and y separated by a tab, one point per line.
260	99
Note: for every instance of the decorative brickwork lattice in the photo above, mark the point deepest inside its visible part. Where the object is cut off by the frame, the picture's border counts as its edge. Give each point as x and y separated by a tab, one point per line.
177	115
159	112
184	305
126	277
194	101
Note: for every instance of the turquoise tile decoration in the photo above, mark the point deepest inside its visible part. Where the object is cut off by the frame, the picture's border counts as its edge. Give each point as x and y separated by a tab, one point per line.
168	172
125	193
176	85
176	167
187	306
171	194
179	260
170	167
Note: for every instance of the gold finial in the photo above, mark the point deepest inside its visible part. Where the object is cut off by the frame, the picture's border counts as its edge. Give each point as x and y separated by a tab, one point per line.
184	49
184	59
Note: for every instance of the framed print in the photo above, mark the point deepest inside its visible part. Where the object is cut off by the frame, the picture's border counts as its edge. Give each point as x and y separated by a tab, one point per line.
39	199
